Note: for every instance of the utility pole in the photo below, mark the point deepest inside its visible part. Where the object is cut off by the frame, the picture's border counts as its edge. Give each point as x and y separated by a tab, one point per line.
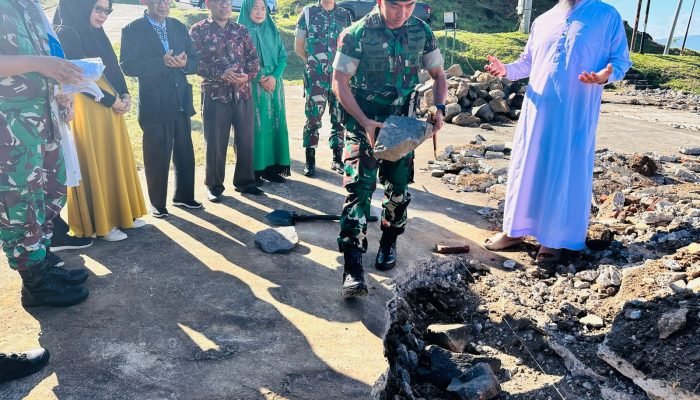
525	9
673	28
644	34
636	25
688	28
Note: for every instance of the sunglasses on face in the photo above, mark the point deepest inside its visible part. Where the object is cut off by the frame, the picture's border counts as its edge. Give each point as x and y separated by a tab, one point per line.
103	11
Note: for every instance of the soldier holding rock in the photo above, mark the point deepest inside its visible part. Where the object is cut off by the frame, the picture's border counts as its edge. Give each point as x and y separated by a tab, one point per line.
316	43
375	71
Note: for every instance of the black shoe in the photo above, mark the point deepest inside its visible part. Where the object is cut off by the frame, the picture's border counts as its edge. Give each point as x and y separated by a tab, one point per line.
39	289
254	190
63	241
214	197
386	256
55	272
276	178
337	163
159	212
310	166
193	204
14	366
53	260
353	278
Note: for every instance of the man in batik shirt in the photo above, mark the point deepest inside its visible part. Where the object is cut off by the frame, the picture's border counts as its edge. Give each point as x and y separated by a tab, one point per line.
228	62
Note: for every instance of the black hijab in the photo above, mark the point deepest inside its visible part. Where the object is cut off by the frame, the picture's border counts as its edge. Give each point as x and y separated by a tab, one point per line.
80	40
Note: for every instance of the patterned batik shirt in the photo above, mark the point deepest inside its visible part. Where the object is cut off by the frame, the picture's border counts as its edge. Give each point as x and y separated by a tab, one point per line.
220	49
25	113
320	30
161	29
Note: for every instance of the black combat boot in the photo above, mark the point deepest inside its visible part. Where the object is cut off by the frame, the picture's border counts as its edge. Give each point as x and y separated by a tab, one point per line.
39	288
14	366
310	167
55	271
337	163
386	256
353	278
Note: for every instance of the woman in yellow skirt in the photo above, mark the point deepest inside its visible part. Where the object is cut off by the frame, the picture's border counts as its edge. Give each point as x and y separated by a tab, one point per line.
109	196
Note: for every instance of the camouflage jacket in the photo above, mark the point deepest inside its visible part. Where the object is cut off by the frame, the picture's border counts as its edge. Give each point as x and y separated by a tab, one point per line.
220	49
320	29
384	63
25	100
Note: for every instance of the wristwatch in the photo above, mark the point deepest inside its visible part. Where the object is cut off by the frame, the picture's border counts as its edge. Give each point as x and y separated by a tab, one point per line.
441	107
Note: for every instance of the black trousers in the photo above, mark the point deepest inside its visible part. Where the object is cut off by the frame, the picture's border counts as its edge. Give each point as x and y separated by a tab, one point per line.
160	141
218	118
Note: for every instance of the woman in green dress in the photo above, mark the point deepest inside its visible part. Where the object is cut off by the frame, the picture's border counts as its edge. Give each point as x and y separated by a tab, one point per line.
271	144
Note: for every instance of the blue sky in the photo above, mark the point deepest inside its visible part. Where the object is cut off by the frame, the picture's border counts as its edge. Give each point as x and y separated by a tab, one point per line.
660	16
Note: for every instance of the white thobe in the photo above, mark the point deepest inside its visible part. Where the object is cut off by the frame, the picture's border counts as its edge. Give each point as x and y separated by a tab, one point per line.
551	169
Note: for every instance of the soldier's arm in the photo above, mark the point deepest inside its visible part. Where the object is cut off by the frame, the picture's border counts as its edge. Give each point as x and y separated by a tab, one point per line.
51	67
300	49
300	38
341	89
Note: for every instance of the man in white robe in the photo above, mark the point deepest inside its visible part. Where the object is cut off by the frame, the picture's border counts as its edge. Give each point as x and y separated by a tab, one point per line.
551	169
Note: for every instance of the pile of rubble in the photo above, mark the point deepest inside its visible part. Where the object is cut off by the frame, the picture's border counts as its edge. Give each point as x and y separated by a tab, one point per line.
476	167
474	100
664	98
619	320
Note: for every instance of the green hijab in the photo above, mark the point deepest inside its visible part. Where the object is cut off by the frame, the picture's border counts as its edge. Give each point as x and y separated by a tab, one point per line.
265	36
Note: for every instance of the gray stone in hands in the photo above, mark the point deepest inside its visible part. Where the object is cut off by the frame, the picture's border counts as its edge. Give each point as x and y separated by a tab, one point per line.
400	136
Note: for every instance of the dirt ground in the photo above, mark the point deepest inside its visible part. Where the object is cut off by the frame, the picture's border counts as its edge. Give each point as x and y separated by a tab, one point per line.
189	308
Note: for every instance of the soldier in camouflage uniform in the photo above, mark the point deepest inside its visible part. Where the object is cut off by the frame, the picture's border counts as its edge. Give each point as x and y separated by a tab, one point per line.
376	70
317	34
32	173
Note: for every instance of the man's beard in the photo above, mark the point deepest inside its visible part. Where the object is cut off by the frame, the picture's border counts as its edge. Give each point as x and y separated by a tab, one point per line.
568	3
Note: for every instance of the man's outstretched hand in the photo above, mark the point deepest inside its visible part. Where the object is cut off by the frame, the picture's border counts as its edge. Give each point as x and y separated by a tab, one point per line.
495	67
597	78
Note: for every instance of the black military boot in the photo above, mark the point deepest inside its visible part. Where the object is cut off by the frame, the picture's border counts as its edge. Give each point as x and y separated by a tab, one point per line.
337	163
55	271
14	366
39	288
386	256
353	278
310	167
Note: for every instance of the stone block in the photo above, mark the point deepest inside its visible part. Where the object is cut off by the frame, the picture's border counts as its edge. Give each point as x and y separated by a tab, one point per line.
466	119
453	337
455	70
499	105
451	111
484	112
477	383
497	94
400	136
277	240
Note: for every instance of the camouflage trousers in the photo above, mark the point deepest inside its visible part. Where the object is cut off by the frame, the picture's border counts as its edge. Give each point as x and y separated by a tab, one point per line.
317	88
361	180
32	193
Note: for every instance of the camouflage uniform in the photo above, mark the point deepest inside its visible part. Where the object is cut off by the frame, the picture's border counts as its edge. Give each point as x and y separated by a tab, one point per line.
320	30
32	173
384	64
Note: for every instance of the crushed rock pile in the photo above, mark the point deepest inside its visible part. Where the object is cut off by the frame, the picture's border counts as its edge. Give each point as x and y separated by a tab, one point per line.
664	98
474	100
619	320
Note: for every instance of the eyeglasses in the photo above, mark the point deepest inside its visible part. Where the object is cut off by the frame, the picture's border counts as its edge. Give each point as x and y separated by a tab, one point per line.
104	11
